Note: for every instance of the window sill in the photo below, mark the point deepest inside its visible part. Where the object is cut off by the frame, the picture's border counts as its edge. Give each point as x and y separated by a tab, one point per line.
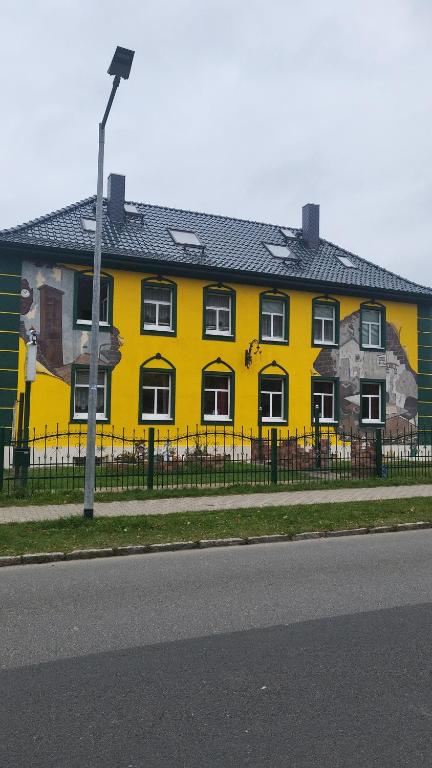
325	343
158	331
270	340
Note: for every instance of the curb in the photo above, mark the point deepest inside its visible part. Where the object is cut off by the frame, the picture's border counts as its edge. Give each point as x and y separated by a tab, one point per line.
175	546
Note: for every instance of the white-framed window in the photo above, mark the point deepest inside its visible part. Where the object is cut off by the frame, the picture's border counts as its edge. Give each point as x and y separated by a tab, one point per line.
371	328
371	398
84	289
217	404
157	310
324	323
156	395
273	398
273	319
81	394
218	313
324	398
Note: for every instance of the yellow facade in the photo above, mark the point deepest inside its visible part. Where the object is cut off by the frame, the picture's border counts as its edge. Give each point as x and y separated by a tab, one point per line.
189	353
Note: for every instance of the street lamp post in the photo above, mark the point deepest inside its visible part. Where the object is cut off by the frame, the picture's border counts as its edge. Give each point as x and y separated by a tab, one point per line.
120	68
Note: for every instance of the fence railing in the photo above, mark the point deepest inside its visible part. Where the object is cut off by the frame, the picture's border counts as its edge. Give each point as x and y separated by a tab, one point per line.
211	456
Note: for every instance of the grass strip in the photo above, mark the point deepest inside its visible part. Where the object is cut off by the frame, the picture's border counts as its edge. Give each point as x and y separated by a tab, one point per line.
77	533
30	497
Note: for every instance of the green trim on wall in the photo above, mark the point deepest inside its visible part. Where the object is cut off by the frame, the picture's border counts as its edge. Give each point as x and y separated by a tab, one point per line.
382	310
334	380
86	326
9	340
368	424
323	300
9	359
10	284
424	408
77	366
9	379
172	372
221	290
274	294
7	398
162	282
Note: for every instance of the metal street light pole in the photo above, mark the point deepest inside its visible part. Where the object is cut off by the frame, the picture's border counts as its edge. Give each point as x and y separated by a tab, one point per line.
120	67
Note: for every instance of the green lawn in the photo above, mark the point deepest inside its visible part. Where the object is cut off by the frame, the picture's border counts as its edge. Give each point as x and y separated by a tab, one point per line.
77	533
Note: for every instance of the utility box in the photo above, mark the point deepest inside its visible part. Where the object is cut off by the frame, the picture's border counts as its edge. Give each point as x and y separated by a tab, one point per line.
21	457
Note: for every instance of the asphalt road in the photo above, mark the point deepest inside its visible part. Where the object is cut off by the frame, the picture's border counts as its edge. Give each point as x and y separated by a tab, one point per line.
300	655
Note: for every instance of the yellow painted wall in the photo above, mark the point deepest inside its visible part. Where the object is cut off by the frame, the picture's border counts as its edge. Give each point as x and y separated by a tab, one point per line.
189	353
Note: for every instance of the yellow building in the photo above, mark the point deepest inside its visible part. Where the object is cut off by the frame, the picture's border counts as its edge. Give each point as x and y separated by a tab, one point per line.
208	320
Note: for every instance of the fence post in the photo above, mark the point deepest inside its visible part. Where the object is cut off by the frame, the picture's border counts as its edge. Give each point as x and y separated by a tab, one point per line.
273	456
150	459
2	447
317	437
378	453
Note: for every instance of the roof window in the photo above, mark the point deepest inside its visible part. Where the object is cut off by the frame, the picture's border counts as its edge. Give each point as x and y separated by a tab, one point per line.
185	237
280	251
131	208
290	234
346	261
88	225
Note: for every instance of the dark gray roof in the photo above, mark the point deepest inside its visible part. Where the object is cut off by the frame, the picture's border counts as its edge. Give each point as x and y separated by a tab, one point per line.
229	244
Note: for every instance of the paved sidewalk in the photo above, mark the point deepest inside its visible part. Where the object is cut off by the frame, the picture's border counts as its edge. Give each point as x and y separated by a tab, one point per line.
204	503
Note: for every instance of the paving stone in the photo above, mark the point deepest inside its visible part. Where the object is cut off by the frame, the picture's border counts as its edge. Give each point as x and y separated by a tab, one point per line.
84	554
10	560
172	546
268	539
43	557
220	542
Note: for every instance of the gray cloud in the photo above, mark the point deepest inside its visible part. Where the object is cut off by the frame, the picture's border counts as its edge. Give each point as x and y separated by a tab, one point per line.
243	108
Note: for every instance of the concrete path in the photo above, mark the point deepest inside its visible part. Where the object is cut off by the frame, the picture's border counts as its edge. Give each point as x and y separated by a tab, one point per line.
203	503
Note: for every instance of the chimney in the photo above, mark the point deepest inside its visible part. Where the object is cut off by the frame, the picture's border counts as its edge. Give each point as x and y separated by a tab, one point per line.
310	225
116	199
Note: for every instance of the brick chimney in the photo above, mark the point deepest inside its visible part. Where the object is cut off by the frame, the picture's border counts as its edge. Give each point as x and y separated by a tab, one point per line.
116	199
310	225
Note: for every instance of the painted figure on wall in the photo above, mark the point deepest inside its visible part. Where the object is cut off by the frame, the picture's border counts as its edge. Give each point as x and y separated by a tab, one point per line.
350	364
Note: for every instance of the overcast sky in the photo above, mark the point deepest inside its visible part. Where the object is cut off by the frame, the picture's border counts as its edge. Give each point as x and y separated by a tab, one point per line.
238	107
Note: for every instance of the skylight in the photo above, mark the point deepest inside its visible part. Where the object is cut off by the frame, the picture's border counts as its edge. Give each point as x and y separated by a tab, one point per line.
131	208
88	225
347	262
184	237
280	251
289	234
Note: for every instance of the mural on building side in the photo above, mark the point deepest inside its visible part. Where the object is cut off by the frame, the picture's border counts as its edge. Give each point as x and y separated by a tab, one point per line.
47	295
350	364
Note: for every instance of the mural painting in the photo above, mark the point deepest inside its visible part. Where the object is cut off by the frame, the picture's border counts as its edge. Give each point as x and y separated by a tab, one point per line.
47	296
350	364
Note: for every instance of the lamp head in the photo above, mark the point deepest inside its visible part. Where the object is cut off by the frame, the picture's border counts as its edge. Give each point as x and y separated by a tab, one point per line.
121	63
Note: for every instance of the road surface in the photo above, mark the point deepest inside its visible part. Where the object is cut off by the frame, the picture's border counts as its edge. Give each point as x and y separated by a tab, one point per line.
300	655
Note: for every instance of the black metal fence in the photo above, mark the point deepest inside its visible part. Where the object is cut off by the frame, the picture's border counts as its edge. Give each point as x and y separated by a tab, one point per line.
217	456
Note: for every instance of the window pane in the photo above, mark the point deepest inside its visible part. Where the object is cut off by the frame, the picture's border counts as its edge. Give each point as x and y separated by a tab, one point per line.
216	300
371	315
222	403
375	409
153	293
156	379
104	301
150	314
210	319
371	389
278	329
84	297
81	400
216	382
209	403
148	400
82	377
265	404
375	335
272	385
163	401
277	406
266	325
223	320
365	333
328	330
321	310
273	305
317	330
164	314
316	403
328	407
100	401
323	386
365	408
